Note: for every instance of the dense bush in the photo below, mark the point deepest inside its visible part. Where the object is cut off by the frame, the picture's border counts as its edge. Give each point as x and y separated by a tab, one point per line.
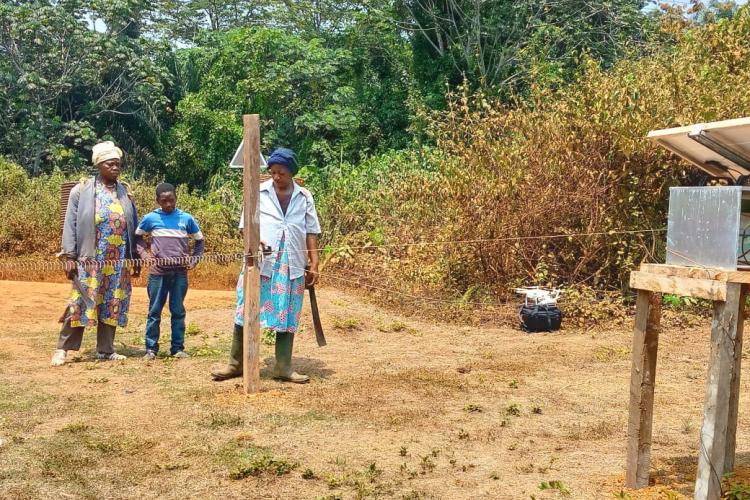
30	207
325	102
564	162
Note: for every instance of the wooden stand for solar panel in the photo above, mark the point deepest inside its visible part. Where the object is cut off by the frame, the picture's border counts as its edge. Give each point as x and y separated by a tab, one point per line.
727	289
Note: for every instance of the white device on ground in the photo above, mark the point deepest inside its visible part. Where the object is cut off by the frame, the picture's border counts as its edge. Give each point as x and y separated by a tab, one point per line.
538	295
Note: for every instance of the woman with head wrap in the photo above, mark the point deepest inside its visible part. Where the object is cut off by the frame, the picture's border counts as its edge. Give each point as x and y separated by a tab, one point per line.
289	227
98	234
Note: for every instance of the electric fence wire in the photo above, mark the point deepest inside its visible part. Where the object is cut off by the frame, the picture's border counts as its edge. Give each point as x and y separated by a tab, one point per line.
62	264
229	258
362	282
15	266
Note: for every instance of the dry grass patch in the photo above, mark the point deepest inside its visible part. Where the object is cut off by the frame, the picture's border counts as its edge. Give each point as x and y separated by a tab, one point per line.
500	363
426	380
388	395
607	354
603	429
389	405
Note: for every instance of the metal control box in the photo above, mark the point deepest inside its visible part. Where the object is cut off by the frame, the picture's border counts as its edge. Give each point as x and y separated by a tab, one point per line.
709	227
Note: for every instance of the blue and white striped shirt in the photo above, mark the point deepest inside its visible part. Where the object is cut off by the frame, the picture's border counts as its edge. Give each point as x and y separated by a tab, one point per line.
170	234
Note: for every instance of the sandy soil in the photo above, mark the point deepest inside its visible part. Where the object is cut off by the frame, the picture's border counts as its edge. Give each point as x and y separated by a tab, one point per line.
398	408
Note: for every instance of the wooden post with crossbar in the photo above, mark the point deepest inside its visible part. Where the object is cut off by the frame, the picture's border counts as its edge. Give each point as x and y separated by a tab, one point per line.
727	290
251	284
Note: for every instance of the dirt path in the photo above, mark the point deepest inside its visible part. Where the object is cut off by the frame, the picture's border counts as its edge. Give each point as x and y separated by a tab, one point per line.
397	408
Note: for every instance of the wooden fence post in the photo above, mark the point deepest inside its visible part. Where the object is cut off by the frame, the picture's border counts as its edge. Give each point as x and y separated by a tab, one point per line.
251	284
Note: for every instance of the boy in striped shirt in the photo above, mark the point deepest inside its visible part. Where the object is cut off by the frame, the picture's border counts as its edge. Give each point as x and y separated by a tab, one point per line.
170	230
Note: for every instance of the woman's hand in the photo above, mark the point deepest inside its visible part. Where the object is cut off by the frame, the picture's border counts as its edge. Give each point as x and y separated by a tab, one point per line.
311	272
312	276
71	269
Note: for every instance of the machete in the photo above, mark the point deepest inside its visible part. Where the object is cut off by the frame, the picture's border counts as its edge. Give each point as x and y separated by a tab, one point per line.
319	335
76	281
80	288
317	325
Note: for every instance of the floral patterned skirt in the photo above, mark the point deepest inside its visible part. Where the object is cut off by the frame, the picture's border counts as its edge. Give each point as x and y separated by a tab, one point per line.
280	297
108	288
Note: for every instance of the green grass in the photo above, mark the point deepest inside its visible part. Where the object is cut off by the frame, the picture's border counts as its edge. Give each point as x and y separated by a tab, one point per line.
192	330
218	420
393	326
71	457
21	399
244	460
205	351
22	408
513	410
77	428
608	354
347	324
268	336
555	485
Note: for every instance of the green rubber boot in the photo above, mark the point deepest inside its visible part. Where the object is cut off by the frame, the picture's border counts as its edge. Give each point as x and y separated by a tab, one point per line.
282	370
234	368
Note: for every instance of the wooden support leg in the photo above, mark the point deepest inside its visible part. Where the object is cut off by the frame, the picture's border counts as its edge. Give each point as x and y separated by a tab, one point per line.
642	379
734	388
717	443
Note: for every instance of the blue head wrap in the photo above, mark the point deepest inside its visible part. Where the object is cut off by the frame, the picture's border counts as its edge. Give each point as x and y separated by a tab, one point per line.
286	157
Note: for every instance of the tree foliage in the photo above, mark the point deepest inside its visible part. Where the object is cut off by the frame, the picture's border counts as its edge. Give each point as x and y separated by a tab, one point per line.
326	102
339	81
64	86
508	45
569	161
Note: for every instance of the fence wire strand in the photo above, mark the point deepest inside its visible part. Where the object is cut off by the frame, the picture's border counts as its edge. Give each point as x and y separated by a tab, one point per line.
61	264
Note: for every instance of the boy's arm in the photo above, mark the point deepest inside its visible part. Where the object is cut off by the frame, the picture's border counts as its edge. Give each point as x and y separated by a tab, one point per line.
137	267
200	245
199	241
141	245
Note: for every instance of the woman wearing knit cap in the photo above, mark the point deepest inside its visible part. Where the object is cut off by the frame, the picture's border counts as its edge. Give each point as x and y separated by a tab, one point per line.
289	226
98	234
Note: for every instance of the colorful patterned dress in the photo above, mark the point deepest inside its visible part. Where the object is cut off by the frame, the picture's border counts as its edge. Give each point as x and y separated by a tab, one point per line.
108	285
280	297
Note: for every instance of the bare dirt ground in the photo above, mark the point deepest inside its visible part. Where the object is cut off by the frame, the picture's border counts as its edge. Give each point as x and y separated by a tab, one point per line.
397	408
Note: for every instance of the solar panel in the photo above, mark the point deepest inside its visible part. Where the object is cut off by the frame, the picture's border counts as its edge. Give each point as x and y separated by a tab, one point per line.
721	149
